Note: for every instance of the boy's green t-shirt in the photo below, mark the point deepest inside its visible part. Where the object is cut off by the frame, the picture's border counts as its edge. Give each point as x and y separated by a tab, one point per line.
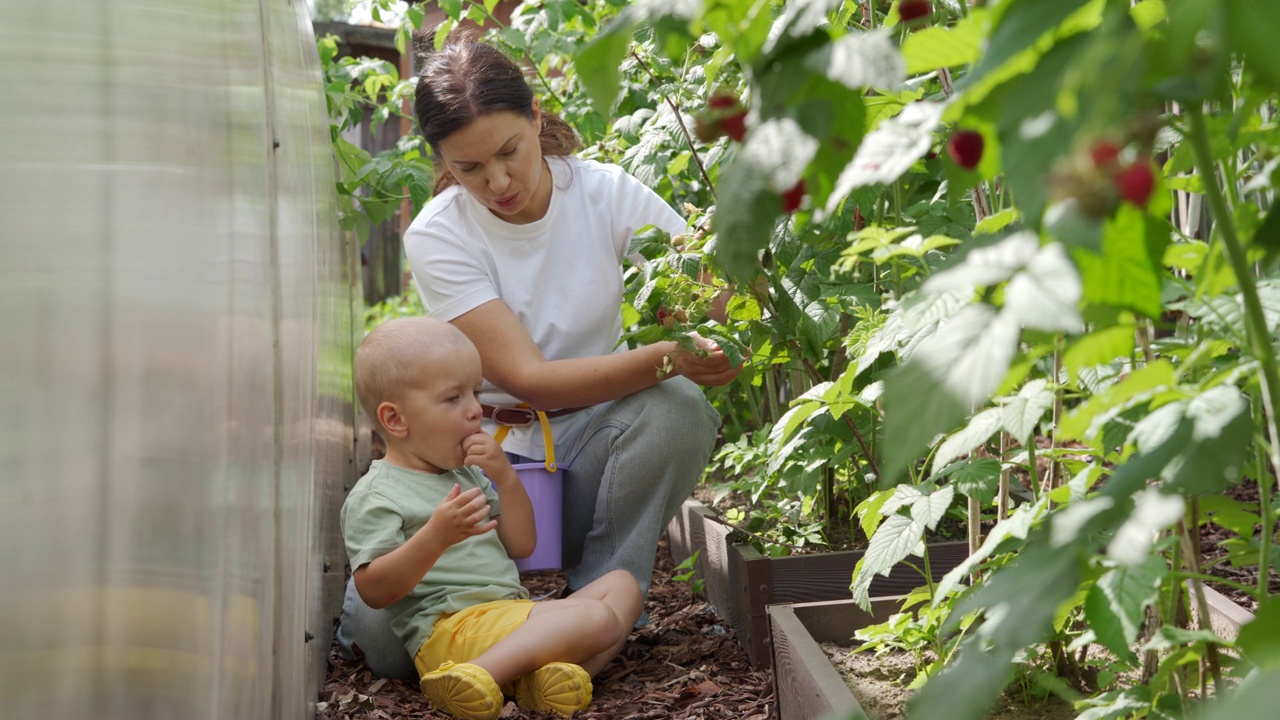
387	506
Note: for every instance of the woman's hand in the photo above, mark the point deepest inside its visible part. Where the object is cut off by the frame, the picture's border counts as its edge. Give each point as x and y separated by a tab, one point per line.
710	367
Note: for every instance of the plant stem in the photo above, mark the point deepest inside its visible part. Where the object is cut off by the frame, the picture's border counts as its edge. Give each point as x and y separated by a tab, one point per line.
1191	558
697	159
1255	320
1264	511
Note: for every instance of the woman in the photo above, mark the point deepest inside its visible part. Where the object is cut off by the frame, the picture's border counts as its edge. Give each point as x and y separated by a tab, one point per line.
521	248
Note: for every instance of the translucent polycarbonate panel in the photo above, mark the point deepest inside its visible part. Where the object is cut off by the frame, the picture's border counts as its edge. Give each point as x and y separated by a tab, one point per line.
176	333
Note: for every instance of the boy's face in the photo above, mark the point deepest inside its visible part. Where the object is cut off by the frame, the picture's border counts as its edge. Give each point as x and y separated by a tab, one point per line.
441	410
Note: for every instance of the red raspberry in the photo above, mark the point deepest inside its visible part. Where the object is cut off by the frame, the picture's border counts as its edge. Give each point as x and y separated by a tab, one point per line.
1135	183
1104	154
965	148
735	126
914	12
721	101
666	319
791	199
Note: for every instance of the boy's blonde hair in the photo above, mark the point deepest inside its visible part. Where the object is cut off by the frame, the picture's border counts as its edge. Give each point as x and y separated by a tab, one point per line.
395	355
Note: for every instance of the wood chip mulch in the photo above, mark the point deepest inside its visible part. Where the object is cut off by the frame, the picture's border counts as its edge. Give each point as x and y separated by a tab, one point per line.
684	665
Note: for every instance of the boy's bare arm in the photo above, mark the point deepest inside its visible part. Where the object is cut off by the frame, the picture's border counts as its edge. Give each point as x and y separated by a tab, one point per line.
516	528
390	577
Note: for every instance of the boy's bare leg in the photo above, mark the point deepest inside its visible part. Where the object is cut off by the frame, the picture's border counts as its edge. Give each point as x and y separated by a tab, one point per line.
586	629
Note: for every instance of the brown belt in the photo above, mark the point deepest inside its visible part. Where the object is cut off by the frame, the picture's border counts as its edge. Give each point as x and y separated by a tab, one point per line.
520	416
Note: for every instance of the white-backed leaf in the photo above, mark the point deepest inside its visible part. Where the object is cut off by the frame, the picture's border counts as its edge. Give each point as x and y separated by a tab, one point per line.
866	60
950	373
897	538
980	428
1116	604
1020	413
889	151
929	509
1045	295
988	265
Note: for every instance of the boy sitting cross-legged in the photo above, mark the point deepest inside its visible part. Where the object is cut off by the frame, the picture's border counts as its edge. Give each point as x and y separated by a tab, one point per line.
432	528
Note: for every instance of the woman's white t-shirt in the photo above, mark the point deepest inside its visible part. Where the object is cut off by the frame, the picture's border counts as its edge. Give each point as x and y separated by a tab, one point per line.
561	275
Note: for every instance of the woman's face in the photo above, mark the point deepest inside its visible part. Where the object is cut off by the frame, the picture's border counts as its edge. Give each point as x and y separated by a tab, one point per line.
498	160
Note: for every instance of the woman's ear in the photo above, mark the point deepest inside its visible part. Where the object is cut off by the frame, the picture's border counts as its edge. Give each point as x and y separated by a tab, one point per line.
392	421
537	115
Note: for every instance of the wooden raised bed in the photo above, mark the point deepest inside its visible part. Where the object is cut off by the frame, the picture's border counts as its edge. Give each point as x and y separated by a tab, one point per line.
809	687
805	682
741	583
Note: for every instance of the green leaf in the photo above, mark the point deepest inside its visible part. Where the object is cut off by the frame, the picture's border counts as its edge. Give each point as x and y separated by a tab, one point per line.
1126	273
1260	638
598	64
949	374
1019	602
1267	236
790	422
976	479
1217	443
732	347
651	242
897	538
1227	512
1032	133
744	218
1084	422
993	224
1256	698
1098	348
1116	604
1251	28
1019	27
944	47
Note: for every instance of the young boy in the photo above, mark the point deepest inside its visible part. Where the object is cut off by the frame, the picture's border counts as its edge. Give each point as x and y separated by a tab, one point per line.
431	538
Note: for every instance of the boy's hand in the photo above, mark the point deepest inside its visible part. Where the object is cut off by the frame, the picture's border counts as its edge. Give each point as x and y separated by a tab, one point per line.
484	452
460	515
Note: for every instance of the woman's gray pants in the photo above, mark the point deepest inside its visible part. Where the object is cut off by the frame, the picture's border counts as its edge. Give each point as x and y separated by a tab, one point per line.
625	478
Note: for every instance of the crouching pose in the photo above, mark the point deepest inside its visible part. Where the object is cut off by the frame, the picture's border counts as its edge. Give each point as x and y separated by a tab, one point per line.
431	531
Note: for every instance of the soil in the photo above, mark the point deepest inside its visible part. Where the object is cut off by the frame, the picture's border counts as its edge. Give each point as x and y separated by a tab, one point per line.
879	682
1211	551
684	665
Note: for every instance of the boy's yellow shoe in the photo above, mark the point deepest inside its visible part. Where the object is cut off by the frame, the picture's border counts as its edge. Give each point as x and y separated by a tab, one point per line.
558	687
464	691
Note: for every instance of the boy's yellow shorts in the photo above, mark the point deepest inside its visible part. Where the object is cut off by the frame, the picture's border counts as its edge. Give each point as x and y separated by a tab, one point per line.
465	635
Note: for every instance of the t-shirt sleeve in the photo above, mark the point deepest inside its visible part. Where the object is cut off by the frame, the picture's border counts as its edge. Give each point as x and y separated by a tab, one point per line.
372	526
450	280
639	206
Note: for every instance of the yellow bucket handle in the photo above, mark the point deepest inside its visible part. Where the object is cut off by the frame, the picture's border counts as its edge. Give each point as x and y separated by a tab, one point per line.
550	462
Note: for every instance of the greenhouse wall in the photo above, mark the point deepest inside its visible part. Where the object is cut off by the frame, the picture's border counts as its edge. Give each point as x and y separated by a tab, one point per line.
179	315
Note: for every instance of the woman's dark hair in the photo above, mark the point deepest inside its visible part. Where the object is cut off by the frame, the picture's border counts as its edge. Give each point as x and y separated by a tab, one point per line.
467	79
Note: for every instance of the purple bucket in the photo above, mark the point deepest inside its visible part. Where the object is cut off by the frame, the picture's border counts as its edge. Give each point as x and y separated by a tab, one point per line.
546	492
